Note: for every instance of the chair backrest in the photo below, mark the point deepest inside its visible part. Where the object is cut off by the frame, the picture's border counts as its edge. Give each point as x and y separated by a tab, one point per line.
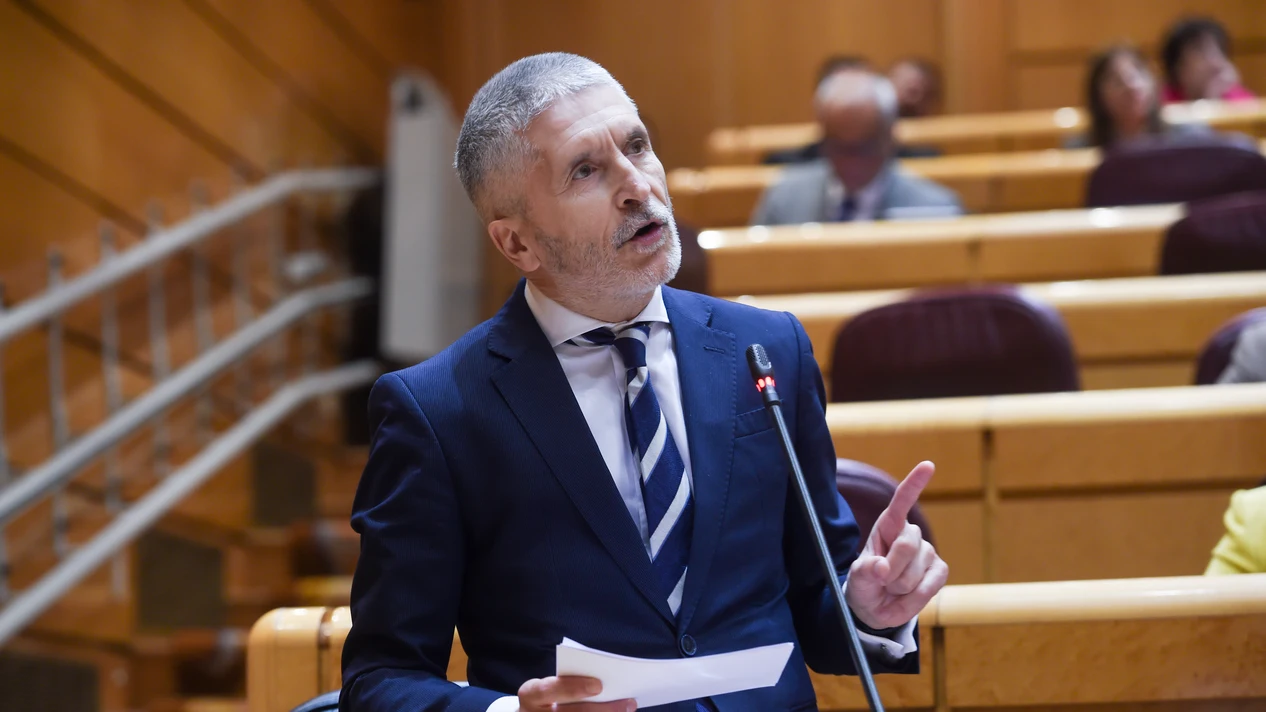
1154	172
1226	234
964	342
868	491
1216	355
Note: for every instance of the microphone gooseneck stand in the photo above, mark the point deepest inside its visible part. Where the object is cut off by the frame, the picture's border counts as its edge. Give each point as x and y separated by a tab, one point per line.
763	373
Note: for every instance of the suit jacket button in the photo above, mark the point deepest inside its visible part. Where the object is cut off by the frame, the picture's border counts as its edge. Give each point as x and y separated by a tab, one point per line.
688	647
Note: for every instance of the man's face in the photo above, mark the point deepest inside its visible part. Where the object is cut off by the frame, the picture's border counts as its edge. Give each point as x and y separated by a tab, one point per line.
597	212
856	141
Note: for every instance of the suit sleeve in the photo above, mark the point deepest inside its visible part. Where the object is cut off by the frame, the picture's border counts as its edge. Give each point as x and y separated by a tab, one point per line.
823	640
1248	358
765	212
407	587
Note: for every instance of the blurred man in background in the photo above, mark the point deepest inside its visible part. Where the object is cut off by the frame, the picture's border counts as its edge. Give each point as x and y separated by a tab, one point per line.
857	178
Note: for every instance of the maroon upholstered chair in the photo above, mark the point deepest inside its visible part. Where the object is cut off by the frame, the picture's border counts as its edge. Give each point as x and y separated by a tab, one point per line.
868	491
1226	234
1216	355
963	342
1175	173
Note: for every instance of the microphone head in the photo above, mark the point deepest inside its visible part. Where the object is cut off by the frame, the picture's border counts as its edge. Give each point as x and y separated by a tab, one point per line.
758	362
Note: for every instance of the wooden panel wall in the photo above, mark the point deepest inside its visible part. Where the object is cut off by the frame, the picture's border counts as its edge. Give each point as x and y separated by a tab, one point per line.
1049	41
696	65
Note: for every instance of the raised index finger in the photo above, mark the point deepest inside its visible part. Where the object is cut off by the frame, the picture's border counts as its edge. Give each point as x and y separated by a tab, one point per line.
894	517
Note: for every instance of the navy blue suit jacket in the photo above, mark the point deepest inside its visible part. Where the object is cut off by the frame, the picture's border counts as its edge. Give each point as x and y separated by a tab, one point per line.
486	505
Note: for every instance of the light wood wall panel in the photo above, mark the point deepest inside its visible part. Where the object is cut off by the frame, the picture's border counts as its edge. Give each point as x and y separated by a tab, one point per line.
392	35
1061	25
290	39
247	114
73	117
774	49
1050	41
667	66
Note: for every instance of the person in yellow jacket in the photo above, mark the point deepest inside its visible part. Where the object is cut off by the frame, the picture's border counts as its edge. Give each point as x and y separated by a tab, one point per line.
1242	549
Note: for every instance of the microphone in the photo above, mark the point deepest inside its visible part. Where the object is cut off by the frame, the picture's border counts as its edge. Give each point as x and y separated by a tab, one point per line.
763	374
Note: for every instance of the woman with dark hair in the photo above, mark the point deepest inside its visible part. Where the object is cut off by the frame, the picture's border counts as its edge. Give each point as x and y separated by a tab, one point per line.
1121	96
1196	56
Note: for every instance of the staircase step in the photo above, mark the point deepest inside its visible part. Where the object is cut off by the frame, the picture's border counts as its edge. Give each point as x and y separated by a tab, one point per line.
326	547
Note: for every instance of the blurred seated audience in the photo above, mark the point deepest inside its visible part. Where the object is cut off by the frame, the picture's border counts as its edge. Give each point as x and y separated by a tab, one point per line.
1124	104
918	94
918	85
1248	359
858	177
1242	550
1196	56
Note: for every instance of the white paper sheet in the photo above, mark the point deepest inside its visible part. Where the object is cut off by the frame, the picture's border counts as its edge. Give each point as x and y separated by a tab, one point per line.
662	682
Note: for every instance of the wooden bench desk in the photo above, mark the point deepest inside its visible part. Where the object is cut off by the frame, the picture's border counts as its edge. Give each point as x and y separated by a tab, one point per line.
1104	483
1107	483
1007	247
725	196
1131	332
975	133
1071	646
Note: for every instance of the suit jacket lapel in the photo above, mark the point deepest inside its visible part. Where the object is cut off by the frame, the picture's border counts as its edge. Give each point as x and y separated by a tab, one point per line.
536	389
706	362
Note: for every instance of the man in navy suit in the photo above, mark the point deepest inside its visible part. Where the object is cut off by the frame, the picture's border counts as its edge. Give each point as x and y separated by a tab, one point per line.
594	462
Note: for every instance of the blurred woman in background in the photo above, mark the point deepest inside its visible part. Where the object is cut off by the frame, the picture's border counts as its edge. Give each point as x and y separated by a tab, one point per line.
1196	56
1124	103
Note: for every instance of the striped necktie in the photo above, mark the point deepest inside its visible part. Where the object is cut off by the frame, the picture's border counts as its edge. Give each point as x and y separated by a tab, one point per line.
665	488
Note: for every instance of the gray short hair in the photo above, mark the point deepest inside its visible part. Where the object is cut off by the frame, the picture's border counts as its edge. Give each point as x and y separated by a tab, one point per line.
492	131
851	86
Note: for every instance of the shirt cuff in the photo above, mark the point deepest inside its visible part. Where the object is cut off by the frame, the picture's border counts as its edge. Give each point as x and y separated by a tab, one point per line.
900	644
505	704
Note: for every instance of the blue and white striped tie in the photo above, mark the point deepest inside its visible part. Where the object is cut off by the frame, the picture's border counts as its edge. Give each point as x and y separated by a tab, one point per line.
665	488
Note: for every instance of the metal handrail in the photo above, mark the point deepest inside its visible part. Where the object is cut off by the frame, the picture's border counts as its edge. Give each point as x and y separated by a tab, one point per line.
56	471
166	242
47	311
146	511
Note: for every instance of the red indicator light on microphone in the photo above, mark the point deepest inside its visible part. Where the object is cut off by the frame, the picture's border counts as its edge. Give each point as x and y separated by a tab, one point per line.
763	383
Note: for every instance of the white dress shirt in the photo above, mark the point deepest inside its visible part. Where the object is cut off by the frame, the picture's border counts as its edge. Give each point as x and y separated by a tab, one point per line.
597	378
868	200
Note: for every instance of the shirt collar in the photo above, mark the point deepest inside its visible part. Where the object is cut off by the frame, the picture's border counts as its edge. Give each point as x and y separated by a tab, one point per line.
869	196
561	324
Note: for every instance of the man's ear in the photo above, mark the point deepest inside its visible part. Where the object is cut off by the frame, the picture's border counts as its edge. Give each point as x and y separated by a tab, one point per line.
508	235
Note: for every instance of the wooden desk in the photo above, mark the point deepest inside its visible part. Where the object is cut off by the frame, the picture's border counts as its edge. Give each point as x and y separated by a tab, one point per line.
725	196
976	133
1131	332
1008	247
1102	483
985	182
1196	640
